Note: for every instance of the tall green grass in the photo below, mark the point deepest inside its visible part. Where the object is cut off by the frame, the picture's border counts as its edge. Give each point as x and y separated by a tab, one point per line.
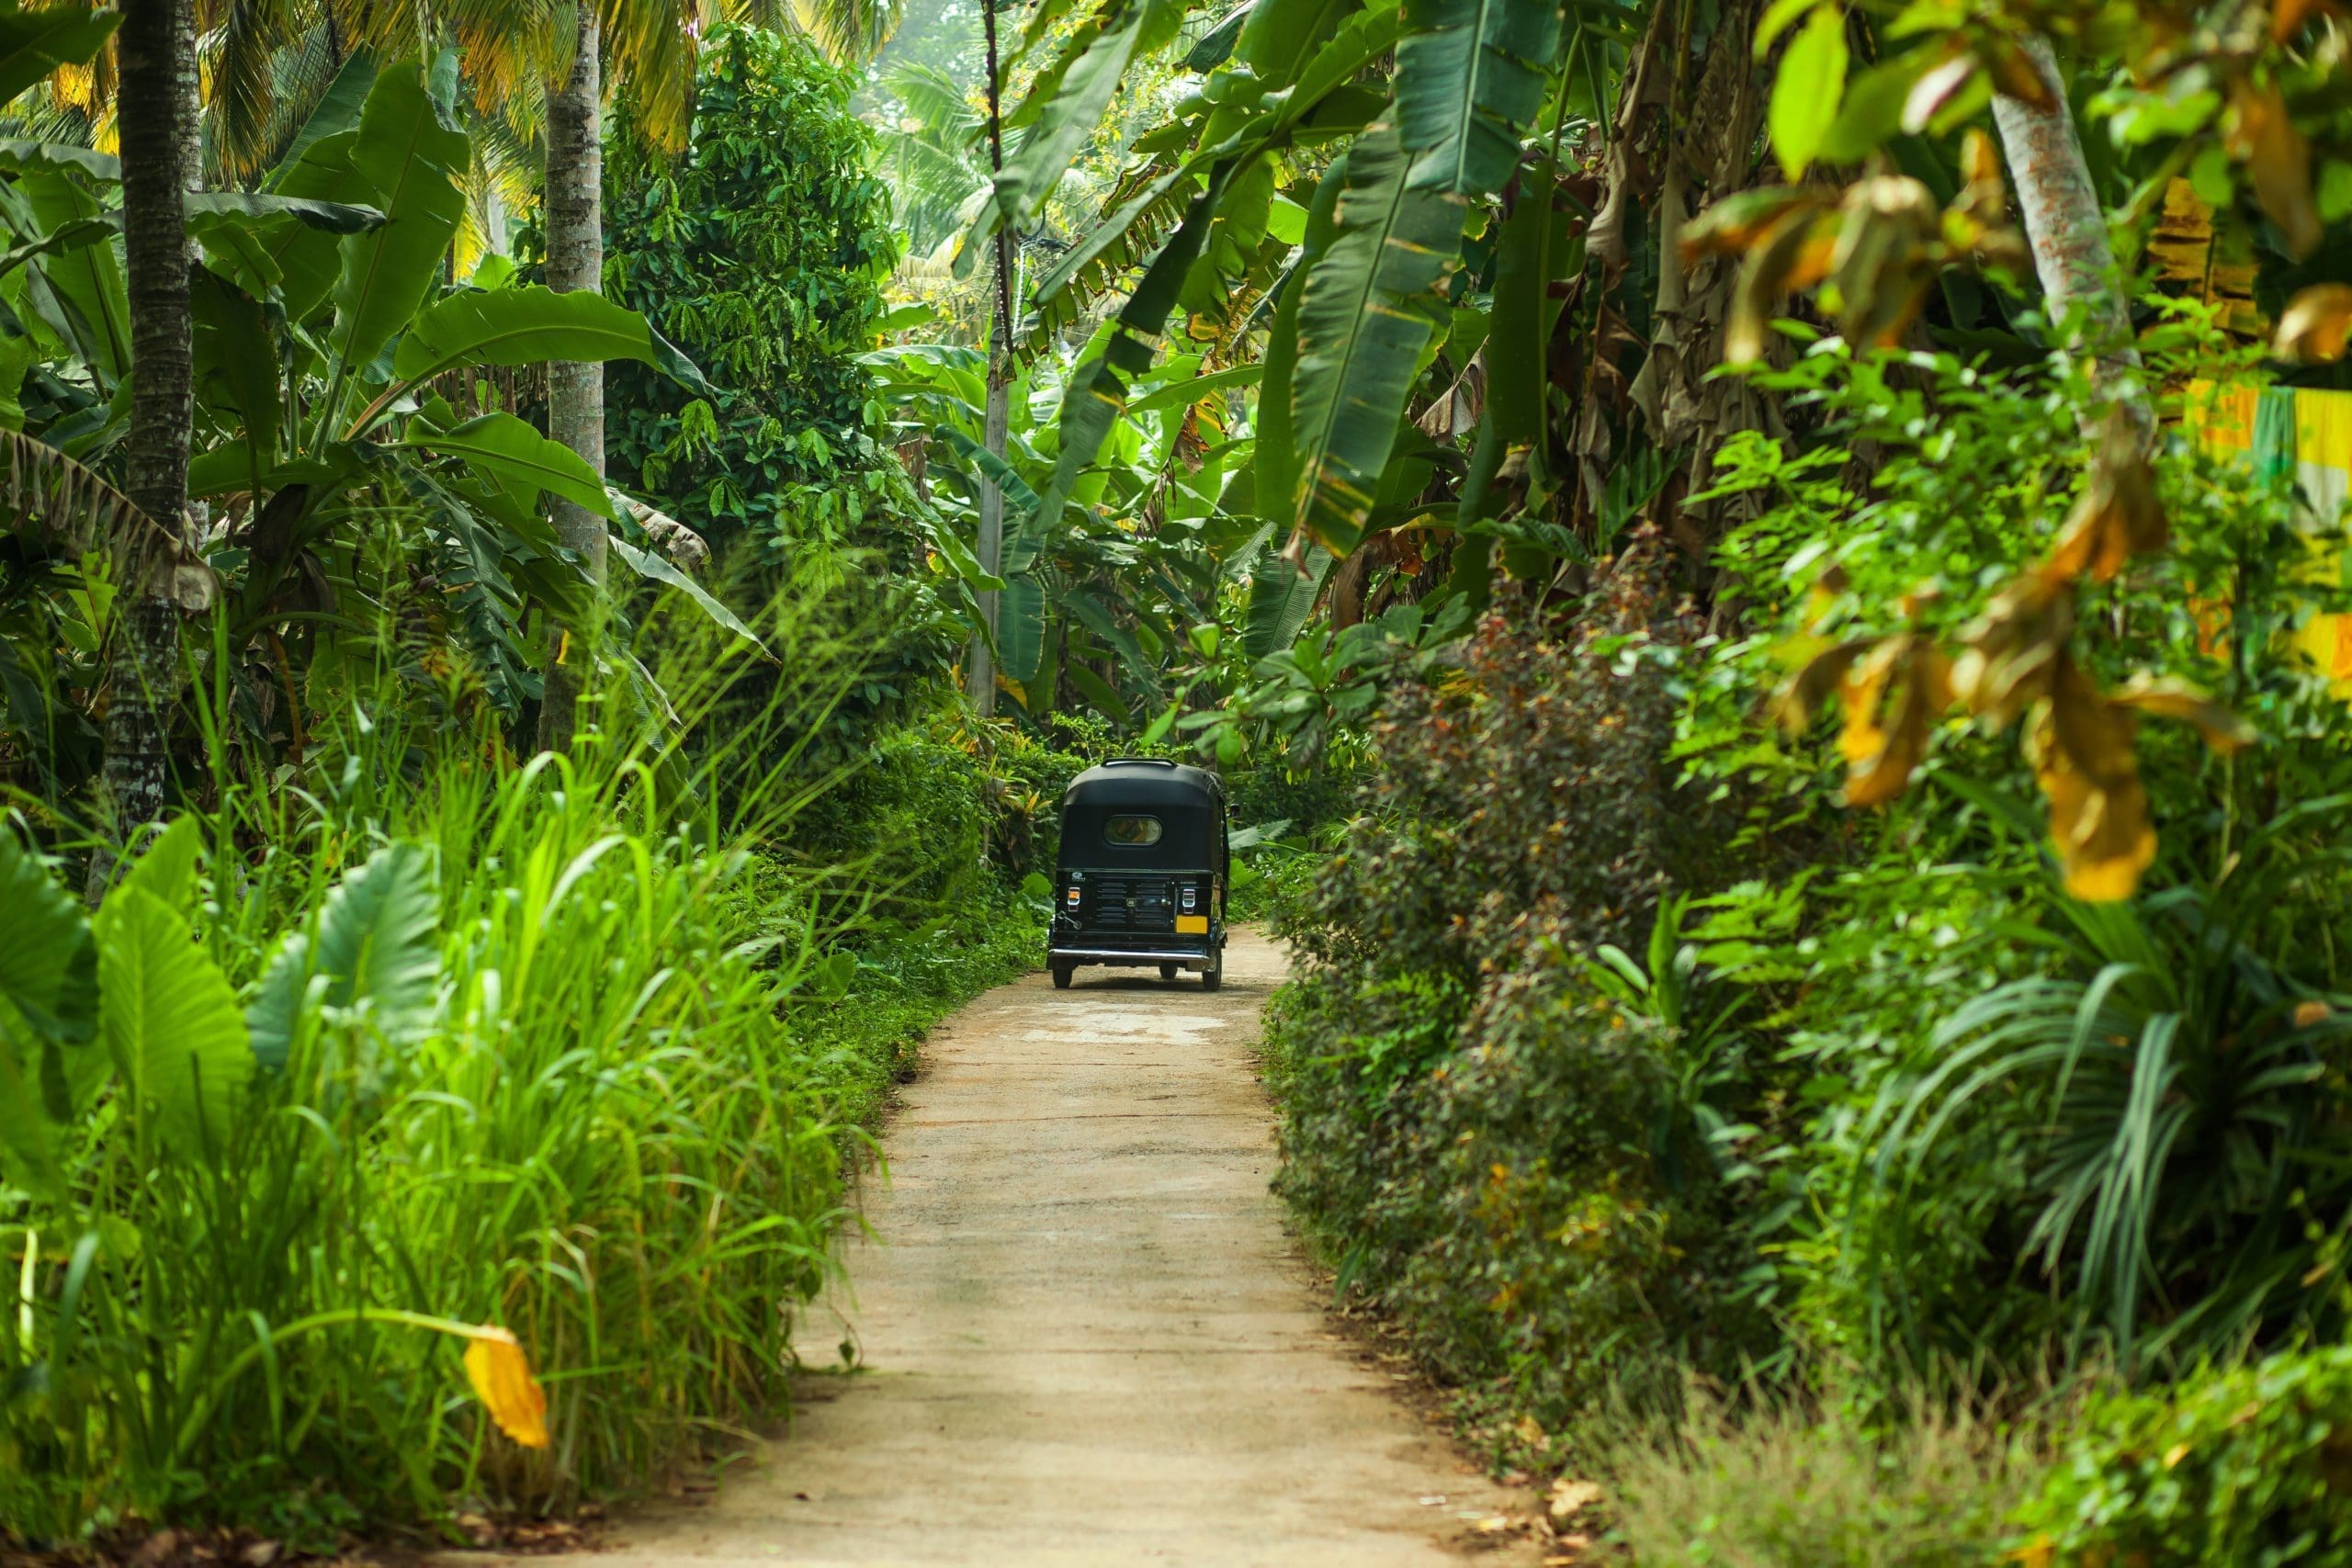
530	1051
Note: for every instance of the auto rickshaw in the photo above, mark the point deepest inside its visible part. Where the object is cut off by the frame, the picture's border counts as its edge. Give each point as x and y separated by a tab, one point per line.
1142	870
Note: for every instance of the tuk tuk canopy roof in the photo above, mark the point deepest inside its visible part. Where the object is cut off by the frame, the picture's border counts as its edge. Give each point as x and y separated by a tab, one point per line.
1130	782
1187	802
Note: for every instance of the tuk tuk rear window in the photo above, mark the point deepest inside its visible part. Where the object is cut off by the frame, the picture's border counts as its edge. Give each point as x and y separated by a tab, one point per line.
1131	832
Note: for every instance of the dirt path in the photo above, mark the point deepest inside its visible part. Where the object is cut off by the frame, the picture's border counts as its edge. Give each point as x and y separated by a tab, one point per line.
1089	1338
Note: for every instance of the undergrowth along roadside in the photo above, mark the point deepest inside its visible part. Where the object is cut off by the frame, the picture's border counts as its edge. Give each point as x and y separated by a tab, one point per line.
548	1047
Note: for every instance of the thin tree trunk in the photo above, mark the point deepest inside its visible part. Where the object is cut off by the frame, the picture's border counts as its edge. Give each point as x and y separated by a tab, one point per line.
2066	226
575	181
980	665
144	682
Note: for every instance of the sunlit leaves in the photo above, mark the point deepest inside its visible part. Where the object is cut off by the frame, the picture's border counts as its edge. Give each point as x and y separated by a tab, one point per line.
1807	89
1875	251
2260	134
1893	697
2315	323
2081	748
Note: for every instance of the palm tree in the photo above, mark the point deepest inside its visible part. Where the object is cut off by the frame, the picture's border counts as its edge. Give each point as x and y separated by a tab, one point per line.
155	64
575	393
980	662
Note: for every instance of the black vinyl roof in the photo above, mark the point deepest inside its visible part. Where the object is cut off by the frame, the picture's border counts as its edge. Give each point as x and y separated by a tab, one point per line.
1129	781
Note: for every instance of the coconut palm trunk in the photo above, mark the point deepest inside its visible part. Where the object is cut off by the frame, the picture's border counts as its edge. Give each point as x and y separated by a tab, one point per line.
156	63
575	178
980	665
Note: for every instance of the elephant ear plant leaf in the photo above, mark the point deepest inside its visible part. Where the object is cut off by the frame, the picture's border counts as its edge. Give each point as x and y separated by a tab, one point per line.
170	1020
378	941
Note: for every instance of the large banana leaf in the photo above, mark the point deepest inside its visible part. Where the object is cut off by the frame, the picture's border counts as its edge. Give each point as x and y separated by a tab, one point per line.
301	262
1274	481
1281	35
339	109
1364	316
1281	598
88	279
171	1024
1469	74
510	450
650	564
530	326
411	160
1020	628
34	43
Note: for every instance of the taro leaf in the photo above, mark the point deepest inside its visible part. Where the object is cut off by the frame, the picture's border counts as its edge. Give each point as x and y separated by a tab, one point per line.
379	936
48	963
171	1023
166	866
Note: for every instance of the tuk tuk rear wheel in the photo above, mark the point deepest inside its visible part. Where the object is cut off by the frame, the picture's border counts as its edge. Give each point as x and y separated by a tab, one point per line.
1062	972
1213	976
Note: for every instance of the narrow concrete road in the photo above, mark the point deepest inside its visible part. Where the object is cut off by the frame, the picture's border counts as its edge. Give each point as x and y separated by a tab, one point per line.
1088	1338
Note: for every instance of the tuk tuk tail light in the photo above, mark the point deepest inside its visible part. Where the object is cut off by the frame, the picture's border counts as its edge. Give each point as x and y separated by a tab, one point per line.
1191	895
1071	898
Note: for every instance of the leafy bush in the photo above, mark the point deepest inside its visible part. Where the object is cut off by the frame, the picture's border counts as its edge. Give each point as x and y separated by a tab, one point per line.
1524	1163
760	251
2249	1467
911	824
1775	1483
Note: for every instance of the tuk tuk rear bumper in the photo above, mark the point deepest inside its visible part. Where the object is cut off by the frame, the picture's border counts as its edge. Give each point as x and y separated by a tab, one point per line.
1133	954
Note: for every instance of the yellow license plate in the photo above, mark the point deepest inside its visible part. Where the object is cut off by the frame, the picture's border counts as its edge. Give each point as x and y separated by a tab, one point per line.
1191	925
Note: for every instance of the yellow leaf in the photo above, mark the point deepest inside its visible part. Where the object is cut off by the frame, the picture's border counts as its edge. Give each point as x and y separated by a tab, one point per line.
2080	745
2312	1012
2315	323
2260	134
2224	730
1892	699
2117	516
2014	646
502	1377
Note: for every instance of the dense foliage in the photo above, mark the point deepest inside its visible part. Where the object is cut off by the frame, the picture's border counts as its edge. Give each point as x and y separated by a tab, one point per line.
760	251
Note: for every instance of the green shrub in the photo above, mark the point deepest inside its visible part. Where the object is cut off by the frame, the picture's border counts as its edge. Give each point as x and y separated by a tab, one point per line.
1780	1484
1530	1171
2249	1467
911	824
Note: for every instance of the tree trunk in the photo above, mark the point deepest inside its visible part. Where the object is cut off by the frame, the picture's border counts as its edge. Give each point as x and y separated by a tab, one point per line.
156	65
2066	226
575	178
979	666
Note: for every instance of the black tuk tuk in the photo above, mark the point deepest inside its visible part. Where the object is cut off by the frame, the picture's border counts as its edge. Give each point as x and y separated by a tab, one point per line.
1144	864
